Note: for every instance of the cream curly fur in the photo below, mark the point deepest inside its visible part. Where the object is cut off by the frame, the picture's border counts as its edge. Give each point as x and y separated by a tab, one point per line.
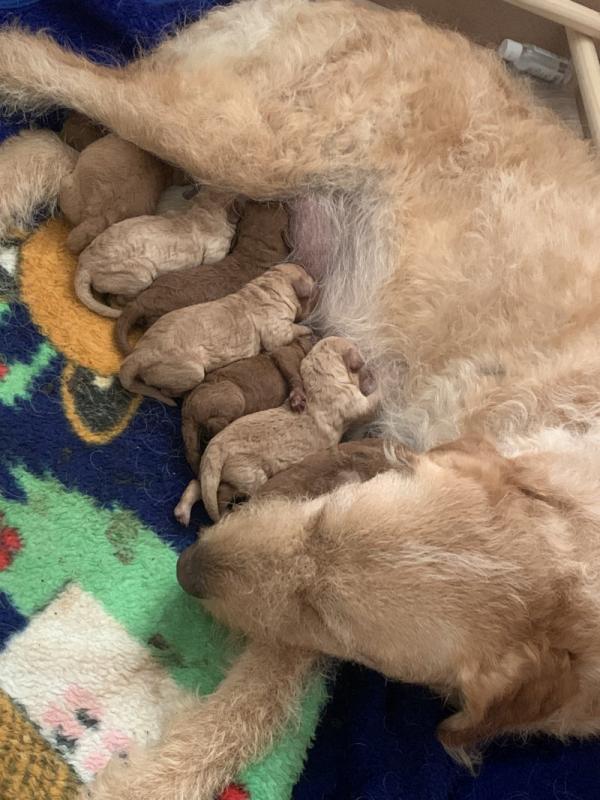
461	223
32	166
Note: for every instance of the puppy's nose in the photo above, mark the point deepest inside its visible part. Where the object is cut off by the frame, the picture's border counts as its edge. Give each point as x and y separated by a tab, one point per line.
189	572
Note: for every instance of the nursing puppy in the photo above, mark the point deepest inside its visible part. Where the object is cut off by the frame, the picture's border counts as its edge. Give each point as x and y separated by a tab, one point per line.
418	203
326	470
244	387
130	255
259	244
174	355
338	390
113	180
79	132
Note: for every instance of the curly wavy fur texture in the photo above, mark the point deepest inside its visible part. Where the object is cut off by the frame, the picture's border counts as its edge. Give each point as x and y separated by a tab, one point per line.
126	257
32	167
236	456
113	180
466	270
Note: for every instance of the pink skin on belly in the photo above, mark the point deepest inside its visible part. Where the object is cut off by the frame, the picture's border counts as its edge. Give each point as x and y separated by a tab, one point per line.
311	234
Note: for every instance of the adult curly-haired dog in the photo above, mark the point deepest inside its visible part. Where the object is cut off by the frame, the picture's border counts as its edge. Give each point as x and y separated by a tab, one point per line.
454	227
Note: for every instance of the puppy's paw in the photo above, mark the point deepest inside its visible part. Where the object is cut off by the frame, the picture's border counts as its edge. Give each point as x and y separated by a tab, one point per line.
182	514
297	400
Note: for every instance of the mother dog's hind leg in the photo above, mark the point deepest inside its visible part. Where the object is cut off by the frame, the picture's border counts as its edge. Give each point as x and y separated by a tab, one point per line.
258	98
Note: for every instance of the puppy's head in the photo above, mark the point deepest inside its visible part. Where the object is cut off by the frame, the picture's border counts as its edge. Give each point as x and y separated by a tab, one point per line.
303	286
336	361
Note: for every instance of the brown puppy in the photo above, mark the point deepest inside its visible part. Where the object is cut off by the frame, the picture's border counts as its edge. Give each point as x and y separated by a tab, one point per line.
244	387
260	244
348	462
129	255
113	180
175	354
79	132
252	449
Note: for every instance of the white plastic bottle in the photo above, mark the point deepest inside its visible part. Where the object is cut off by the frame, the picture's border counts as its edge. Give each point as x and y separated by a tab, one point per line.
536	61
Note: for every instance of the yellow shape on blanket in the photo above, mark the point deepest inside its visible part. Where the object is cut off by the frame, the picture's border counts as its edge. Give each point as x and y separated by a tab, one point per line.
29	768
47	273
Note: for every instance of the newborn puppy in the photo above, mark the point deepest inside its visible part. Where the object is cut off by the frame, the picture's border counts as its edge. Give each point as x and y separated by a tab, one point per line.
128	256
254	448
112	180
259	244
175	354
349	462
244	387
79	132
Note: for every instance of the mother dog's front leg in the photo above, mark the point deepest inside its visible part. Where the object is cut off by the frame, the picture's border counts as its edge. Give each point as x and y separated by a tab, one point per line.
210	741
240	100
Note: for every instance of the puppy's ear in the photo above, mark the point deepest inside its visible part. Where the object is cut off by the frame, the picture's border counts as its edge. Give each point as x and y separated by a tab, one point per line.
353	359
303	286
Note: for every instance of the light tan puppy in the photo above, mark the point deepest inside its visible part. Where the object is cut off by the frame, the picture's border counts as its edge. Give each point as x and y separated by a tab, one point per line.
338	392
32	166
176	352
128	256
112	180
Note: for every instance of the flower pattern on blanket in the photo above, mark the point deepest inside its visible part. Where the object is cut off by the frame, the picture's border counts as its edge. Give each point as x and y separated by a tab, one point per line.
90	687
76	714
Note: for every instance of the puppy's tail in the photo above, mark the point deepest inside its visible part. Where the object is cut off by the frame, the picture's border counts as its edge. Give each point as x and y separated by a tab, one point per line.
83	290
211	466
32	167
127	319
189	434
129	377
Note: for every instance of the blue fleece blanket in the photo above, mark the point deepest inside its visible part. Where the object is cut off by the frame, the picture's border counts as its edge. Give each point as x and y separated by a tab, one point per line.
376	739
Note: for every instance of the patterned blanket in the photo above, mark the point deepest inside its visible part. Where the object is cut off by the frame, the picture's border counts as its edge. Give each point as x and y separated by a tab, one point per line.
99	640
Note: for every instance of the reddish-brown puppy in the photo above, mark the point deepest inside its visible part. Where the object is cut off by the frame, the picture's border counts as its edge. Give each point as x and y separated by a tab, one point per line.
260	244
244	387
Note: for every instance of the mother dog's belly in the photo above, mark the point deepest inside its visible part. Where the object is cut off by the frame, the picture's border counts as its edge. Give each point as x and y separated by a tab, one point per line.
314	232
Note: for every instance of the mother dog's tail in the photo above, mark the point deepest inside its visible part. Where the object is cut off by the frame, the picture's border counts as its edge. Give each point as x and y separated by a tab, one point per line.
32	166
37	74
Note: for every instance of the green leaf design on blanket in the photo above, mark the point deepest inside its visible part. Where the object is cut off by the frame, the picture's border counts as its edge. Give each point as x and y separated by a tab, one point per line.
131	572
17	384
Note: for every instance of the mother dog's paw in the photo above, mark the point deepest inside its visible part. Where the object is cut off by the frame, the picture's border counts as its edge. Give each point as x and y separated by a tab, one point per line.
129	778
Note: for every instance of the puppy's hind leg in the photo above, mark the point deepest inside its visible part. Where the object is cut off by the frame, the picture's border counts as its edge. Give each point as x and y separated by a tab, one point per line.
191	495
